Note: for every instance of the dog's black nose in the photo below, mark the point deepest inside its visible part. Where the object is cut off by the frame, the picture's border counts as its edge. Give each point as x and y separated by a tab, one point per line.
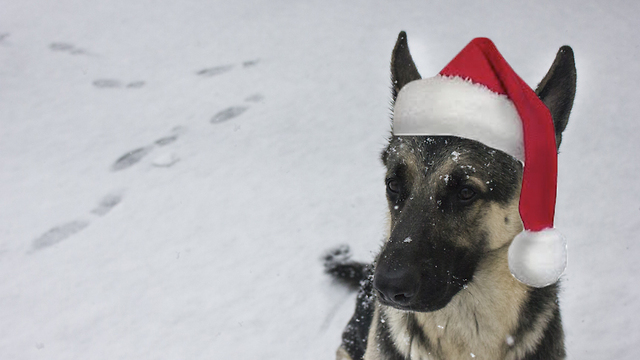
396	285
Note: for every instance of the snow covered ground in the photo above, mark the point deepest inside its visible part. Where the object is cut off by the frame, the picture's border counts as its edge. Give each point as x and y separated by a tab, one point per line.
171	172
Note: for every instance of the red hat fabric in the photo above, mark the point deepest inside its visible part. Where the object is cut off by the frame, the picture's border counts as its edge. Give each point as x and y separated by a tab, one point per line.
481	63
479	96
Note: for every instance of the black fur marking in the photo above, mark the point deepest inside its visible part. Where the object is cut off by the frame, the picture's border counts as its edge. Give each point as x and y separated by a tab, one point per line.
388	349
418	335
552	345
536	304
539	301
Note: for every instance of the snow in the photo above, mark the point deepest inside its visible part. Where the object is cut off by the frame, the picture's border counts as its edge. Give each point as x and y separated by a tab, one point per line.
455	156
166	159
277	112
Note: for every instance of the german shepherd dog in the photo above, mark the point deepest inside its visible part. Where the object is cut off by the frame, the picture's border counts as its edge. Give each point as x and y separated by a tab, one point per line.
441	288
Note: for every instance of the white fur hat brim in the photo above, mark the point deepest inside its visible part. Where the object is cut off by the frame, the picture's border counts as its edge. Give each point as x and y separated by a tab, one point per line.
453	106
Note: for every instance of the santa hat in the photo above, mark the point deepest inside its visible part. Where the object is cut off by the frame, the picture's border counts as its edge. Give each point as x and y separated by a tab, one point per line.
478	96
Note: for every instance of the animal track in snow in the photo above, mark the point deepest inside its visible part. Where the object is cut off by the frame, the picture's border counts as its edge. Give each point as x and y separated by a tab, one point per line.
166	140
228	114
58	234
114	83
250	63
62	232
217	70
254	98
69	48
134	156
235	111
221	69
130	158
107	203
3	36
107	83
135	84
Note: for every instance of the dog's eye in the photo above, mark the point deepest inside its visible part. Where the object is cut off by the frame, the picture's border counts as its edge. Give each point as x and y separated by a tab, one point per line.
466	194
393	186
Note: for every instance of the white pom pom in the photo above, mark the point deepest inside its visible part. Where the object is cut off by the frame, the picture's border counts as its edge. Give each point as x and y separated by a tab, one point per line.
538	258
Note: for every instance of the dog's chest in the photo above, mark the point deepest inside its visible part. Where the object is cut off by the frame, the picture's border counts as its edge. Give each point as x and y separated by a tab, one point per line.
419	336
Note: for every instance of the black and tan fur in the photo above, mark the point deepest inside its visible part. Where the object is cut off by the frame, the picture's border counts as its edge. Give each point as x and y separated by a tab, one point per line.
441	289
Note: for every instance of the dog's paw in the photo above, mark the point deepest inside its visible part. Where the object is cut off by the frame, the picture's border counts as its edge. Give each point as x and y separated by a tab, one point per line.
336	256
338	264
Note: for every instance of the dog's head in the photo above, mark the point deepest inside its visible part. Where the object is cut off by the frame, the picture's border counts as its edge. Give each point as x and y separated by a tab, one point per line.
452	201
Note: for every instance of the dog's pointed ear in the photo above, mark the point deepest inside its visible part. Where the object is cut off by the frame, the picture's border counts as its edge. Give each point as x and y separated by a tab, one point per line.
403	69
558	89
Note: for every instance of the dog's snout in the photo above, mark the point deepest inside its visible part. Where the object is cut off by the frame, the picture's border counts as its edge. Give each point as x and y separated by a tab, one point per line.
396	285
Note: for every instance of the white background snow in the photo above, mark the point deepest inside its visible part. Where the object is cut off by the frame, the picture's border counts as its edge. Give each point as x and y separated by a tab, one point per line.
213	251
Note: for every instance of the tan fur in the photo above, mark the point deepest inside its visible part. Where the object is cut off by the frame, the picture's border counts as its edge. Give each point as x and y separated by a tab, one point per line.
342	354
502	223
373	351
